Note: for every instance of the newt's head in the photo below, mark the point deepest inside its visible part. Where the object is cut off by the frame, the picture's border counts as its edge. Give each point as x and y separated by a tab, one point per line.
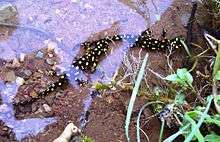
177	42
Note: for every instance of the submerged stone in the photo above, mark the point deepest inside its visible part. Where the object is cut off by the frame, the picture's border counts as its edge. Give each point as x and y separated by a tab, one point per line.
40	55
10	76
7	11
50	61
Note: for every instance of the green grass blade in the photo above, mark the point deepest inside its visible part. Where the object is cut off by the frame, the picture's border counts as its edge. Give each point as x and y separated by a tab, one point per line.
198	134
201	120
139	117
216	67
174	136
161	130
134	95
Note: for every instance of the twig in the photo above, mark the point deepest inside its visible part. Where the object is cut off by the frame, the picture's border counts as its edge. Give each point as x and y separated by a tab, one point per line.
190	24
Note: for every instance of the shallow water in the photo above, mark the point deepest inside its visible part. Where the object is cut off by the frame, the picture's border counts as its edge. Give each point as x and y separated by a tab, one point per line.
68	23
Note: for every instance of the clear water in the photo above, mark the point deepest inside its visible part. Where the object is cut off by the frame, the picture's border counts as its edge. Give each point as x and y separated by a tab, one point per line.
69	23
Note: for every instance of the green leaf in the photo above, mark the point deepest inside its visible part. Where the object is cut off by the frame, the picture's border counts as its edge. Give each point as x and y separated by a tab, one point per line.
217	76
218	99
213	120
180	98
182	77
196	133
101	86
212	138
134	94
172	77
185	76
195	128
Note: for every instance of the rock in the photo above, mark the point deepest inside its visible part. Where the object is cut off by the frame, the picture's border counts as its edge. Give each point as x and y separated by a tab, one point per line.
39	111
59	94
7	11
16	63
34	94
3	108
51	46
34	107
39	55
75	1
50	55
27	72
109	99
22	56
69	131
47	108
9	76
20	81
50	61
5	129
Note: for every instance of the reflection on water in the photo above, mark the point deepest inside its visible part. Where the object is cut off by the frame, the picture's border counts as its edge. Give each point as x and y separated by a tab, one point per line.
109	65
21	128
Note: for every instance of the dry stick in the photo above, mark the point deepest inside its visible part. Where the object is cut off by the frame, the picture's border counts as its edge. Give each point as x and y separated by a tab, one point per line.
190	24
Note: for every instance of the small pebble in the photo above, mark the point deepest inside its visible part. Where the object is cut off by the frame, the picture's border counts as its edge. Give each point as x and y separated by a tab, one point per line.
5	129
109	99
16	63
33	94
74	1
22	56
39	111
20	81
50	55
34	107
7	11
47	108
3	108
39	55
59	94
27	72
50	61
57	11
10	76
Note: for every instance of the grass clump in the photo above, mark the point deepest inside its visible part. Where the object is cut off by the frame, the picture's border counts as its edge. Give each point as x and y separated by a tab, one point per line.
87	139
195	119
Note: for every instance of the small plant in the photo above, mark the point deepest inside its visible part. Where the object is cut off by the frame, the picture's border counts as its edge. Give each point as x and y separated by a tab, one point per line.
182	77
194	119
192	122
87	139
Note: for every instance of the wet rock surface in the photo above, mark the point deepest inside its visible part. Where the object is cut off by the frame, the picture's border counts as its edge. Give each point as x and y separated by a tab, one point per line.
6	134
7	11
